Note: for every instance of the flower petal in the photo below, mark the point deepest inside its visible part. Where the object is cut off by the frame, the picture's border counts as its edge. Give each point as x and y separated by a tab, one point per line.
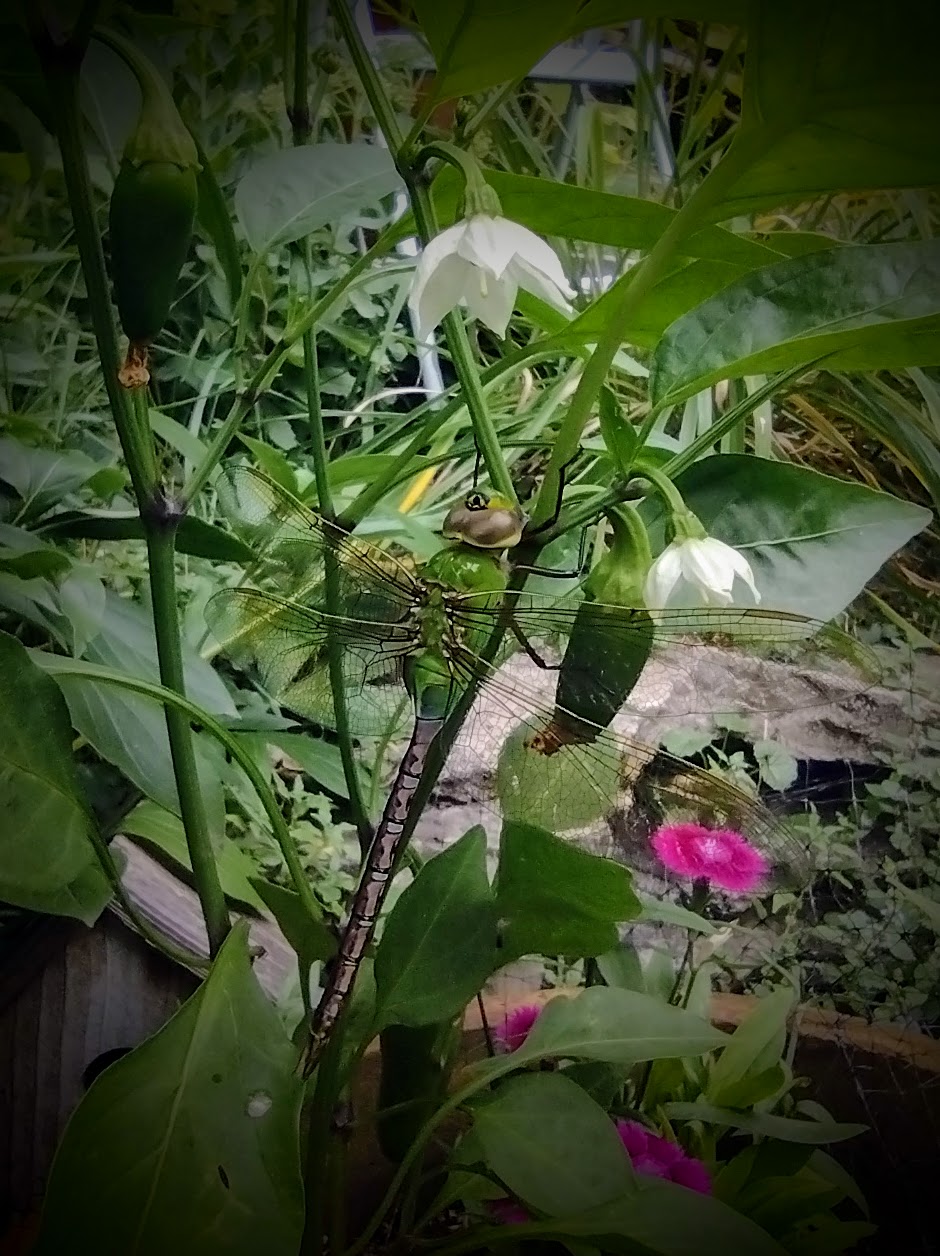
538	283
539	256
488	243
442	292
705	563
662	577
490	300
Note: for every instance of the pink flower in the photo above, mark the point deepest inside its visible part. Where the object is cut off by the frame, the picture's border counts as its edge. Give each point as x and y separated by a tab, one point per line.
658	1157
721	856
508	1212
516	1025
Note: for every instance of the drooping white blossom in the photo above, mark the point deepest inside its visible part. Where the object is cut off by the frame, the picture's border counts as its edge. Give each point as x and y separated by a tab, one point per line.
697	571
481	263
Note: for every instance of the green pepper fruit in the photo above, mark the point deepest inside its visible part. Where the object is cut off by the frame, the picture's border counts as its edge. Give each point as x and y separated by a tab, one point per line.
153	207
611	639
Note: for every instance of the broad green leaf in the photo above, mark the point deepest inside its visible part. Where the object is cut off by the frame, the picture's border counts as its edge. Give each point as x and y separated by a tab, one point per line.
928	907
81	599
272	462
620	967
194	536
439	944
661	911
859	308
129	730
310	938
34	564
42	477
621	1026
554	899
756	1046
766	1124
163	829
320	759
288	193
480	43
830	103
683	288
577	213
47	862
660	1216
177	436
190	1144
552	1145
813	541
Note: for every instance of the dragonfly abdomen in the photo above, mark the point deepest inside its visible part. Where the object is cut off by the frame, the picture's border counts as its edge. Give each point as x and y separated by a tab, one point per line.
373	886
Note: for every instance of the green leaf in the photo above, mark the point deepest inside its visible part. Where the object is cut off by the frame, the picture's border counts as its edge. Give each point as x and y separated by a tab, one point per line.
755	1046
190	1144
555	899
81	600
577	213
271	461
177	436
813	541
764	1124
663	1217
830	104
310	938
864	308
929	907
662	912
480	43
129	730
320	759
47	862
164	830
194	536
42	477
552	1145
287	194
439	944
620	1026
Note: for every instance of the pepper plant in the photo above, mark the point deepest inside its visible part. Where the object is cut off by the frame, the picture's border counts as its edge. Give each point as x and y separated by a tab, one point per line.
209	1137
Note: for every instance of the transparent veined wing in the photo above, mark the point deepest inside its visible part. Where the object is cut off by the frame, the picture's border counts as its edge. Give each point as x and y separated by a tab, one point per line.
287	645
292	544
682	656
592	789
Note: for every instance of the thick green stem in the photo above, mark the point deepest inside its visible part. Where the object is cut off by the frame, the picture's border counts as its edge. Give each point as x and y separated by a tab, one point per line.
319	1138
162	560
423	208
642	280
136	441
168	698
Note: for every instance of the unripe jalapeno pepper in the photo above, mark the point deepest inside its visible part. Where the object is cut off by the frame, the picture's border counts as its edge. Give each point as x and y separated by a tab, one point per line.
610	642
152	211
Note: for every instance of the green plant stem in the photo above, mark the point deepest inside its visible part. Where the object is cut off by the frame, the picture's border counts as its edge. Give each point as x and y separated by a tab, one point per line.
136	442
133	427
425	219
161	553
325	1094
60	665
300	119
640	282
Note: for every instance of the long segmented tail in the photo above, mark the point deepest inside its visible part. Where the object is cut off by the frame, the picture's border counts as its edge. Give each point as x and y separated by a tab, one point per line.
370	894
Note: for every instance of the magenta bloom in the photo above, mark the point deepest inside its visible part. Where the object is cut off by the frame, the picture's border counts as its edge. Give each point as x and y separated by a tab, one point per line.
720	856
508	1212
658	1157
516	1025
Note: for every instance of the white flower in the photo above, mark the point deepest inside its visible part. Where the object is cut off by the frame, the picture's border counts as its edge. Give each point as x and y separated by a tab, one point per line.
482	262
700	570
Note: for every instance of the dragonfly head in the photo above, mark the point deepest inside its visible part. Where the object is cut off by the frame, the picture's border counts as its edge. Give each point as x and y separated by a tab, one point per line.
485	522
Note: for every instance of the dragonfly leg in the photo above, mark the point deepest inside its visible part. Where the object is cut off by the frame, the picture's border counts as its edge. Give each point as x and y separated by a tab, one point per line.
530	649
552	572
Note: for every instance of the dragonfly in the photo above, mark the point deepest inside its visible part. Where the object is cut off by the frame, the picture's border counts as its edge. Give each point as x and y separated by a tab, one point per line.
413	643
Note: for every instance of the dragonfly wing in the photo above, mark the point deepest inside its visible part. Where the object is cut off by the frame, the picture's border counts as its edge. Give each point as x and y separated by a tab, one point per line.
293	543
615	785
690	652
287	644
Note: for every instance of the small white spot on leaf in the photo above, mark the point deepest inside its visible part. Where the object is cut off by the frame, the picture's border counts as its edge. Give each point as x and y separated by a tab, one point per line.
259	1103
